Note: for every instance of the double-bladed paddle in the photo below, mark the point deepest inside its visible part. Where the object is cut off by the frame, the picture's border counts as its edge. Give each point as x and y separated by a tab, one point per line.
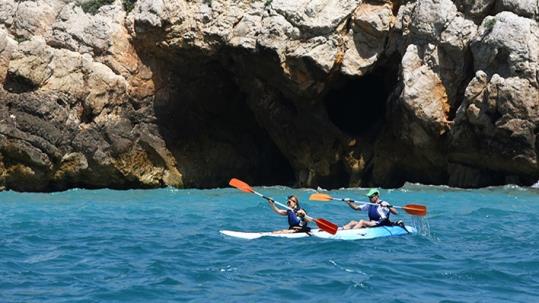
323	224
412	209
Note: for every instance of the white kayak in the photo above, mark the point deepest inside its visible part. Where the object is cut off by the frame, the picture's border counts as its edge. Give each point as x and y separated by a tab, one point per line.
350	234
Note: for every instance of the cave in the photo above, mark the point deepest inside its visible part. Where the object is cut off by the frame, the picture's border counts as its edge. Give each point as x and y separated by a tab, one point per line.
357	105
207	124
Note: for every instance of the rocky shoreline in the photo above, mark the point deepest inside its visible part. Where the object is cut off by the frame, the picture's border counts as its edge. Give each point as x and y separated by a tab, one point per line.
330	93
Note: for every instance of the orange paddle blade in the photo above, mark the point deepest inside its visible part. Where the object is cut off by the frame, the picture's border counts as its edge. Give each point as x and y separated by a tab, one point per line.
326	226
320	197
240	185
415	209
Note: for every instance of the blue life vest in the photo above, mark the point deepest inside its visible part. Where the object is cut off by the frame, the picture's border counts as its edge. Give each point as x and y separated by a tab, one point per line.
375	216
294	220
373	213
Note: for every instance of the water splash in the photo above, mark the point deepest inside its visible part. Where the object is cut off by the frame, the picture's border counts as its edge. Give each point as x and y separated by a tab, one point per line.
422	225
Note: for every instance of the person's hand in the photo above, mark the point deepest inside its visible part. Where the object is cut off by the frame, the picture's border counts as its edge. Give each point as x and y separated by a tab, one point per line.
385	204
301	213
270	201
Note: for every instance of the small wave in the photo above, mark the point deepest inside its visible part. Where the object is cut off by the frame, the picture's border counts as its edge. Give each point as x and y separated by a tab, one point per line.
43	258
227	268
414	185
348	270
172	189
167	281
493	212
278	187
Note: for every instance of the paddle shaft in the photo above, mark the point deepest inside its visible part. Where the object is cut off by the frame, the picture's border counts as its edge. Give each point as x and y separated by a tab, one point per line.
408	209
362	202
280	204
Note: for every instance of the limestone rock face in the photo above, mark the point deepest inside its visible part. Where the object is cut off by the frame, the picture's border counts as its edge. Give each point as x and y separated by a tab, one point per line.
367	37
501	103
301	93
79	32
7	11
33	18
434	42
476	10
524	8
47	144
7	46
317	17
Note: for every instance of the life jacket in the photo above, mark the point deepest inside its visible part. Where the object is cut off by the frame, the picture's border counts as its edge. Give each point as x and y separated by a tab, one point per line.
374	215
294	220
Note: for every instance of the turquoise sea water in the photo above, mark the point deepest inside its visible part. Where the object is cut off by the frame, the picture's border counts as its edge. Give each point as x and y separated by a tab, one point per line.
164	245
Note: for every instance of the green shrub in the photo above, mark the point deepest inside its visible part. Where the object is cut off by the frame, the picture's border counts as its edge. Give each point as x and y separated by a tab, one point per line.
21	39
489	23
92	6
128	5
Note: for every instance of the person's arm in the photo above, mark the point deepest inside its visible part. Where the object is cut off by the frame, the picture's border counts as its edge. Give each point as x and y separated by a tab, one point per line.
277	210
392	209
303	214
353	205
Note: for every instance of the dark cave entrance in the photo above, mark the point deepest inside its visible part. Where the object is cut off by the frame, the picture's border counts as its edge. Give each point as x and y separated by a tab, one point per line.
357	106
207	124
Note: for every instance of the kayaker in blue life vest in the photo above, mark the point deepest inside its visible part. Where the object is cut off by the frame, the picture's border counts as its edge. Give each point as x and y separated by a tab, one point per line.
378	211
297	220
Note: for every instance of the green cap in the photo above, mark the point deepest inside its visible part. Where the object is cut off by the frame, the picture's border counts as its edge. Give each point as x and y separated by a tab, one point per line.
373	192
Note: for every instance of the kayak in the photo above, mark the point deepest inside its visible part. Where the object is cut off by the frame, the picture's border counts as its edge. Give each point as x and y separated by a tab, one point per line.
256	235
350	234
368	233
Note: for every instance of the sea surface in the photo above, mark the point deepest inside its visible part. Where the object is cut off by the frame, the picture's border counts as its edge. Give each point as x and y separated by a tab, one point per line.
479	245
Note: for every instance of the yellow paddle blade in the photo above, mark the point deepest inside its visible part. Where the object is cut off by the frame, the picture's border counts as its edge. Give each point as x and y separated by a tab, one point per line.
320	197
240	185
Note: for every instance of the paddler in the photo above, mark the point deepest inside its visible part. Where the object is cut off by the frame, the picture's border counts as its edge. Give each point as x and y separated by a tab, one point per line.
377	210
297	216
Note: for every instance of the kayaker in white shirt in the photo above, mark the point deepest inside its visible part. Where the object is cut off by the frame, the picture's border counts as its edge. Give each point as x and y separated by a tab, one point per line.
378	211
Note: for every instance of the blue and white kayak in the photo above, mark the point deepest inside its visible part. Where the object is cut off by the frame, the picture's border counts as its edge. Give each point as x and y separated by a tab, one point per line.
367	233
350	234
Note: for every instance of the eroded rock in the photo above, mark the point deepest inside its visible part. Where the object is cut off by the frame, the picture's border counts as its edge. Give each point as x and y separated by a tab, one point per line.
190	93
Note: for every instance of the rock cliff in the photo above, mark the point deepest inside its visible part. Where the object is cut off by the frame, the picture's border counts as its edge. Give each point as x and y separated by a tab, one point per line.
331	93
